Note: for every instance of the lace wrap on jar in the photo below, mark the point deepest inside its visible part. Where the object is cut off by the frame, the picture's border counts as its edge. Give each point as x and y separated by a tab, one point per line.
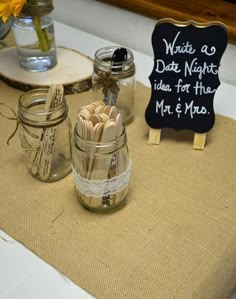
103	186
99	188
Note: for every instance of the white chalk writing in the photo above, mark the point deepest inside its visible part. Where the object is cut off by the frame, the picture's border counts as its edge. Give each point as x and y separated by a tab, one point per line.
184	48
211	52
180	108
200	89
182	87
162	86
185	73
163	108
201	70
194	109
162	67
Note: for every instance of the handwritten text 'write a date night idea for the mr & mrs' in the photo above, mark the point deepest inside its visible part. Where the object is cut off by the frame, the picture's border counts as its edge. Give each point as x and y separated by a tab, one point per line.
185	76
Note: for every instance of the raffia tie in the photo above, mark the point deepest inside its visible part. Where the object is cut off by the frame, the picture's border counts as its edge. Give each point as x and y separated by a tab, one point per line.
15	118
107	82
35	10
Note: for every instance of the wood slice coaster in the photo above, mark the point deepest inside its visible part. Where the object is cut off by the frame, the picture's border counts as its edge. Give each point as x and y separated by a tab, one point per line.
73	71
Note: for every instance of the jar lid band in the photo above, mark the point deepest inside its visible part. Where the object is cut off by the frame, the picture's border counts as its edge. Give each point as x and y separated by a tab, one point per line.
34	10
124	74
43	124
24	123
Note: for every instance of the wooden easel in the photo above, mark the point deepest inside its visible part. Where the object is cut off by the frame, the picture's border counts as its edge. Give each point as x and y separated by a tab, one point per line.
198	142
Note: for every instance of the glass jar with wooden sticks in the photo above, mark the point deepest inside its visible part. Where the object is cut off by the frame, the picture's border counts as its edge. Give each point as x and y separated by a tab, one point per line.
45	133
100	157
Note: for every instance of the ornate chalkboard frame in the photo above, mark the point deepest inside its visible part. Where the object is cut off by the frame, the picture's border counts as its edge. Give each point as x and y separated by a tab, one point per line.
185	78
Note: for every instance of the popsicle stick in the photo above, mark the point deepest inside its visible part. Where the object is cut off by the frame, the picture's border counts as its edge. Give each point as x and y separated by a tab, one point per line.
79	125
154	136
35	156
118	164
52	93
98	103
119	121
85	137
96	137
90	108
49	138
89	126
199	141
95	119
101	166
104	117
85	114
95	105
97	132
99	109
107	109
113	113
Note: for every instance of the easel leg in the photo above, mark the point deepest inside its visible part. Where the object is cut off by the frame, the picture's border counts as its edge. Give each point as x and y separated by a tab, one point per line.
199	141
154	136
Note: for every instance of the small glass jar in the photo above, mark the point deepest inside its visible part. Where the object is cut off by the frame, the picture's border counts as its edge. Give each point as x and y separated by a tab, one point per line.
35	42
114	82
101	172
45	136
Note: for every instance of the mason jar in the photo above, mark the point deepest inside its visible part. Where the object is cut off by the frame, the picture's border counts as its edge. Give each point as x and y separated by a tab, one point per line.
45	136
114	80
34	36
101	172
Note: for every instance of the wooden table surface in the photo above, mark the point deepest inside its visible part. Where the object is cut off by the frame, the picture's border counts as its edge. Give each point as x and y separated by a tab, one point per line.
201	10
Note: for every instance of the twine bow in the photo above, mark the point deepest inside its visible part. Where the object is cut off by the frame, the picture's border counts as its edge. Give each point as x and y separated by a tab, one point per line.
107	82
10	118
15	118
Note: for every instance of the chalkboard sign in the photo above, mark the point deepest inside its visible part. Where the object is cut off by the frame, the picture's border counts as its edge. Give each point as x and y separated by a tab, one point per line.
185	75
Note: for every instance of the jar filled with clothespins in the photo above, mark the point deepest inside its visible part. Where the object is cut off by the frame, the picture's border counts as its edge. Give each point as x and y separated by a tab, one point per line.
45	133
100	158
114	79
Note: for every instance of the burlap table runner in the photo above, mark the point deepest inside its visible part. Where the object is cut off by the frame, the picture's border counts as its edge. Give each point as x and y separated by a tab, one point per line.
175	238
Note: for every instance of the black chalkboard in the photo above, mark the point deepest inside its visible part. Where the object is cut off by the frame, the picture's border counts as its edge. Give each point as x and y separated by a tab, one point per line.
185	75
